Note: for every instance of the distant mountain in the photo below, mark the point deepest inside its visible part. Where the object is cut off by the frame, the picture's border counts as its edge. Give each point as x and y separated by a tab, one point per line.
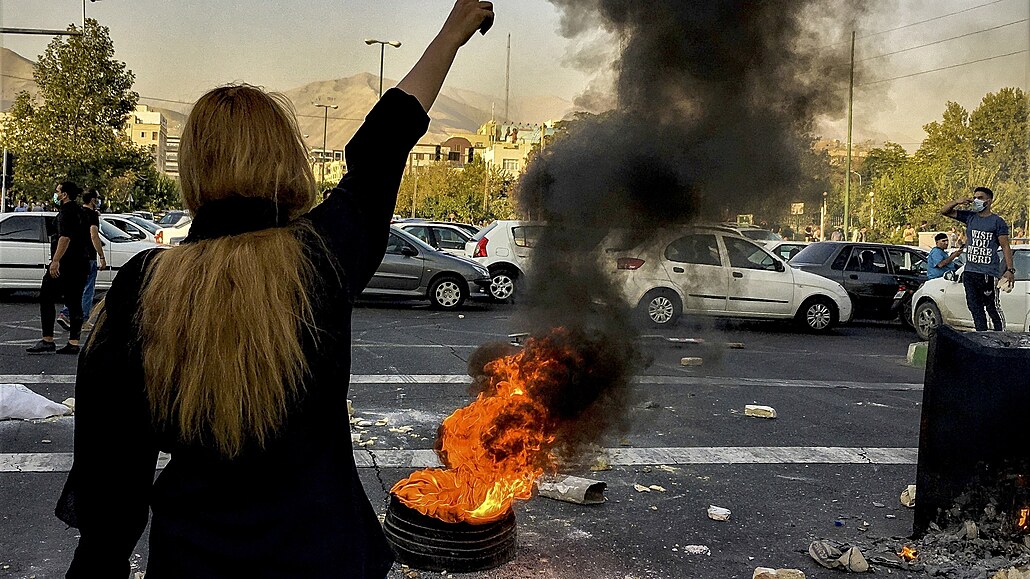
456	110
15	77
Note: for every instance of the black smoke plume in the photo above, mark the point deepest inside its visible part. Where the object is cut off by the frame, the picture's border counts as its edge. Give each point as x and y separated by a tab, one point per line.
713	104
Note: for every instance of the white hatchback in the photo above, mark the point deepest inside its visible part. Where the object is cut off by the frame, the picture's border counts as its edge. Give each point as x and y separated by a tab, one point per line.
712	272
25	249
943	301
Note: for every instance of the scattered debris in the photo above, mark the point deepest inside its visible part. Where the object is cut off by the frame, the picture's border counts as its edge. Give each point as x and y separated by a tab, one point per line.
1012	573
697	550
759	411
365	423
667	468
825	554
572	489
735	345
908	496
718	513
968	531
70	403
853	560
601	464
691	361
768	573
518	339
401	429
878	505
641	488
461	316
658	488
382	422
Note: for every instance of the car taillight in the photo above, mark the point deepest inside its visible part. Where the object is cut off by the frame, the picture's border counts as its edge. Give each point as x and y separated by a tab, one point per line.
160	237
480	248
629	263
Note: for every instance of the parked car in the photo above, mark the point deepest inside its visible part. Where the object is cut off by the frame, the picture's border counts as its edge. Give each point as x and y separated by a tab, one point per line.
174	218
173	235
504	248
25	249
135	227
880	278
144	215
413	269
785	250
943	300
754	233
447	237
711	272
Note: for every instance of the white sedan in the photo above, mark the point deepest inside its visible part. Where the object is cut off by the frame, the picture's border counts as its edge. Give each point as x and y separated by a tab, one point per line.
711	272
943	301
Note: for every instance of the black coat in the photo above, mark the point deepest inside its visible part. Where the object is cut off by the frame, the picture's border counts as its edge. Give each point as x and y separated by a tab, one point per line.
293	509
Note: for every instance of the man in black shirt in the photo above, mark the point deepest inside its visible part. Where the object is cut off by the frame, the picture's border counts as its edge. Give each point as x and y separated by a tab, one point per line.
95	249
66	276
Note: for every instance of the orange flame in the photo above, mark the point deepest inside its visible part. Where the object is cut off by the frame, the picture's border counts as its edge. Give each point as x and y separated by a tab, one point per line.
497	446
908	553
1024	519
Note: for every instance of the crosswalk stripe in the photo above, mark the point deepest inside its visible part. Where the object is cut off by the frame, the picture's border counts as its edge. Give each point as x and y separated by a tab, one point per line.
684	380
38	462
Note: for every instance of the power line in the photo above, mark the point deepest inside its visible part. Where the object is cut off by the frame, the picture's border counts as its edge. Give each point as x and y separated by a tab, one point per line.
944	40
942	68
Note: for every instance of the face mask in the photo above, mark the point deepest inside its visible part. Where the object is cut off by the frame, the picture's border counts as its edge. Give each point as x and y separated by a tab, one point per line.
97	203
979	205
57	199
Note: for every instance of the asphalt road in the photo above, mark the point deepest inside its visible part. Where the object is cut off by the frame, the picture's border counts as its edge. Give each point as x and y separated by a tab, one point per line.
848	422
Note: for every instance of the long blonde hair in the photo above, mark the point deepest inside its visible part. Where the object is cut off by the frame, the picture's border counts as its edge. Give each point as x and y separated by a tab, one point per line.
223	319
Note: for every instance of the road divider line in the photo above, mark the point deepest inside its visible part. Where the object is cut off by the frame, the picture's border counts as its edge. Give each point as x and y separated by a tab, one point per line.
682	380
42	462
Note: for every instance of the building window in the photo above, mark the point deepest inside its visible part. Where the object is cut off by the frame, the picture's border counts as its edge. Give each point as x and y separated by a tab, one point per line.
153	136
142	134
511	165
454	156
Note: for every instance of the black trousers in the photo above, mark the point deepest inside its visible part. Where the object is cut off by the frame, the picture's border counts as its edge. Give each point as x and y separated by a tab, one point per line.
65	289
982	296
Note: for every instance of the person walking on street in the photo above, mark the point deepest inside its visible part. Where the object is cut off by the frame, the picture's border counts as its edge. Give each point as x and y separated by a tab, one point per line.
232	352
95	249
65	278
985	233
939	262
23	205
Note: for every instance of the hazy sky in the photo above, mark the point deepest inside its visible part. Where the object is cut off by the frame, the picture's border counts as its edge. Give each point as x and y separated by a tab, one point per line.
178	49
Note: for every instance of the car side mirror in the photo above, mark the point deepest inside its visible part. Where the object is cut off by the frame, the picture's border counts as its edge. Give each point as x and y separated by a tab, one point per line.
408	251
780	267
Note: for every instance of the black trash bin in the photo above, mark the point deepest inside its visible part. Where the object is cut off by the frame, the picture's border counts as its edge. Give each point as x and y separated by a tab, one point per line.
975	426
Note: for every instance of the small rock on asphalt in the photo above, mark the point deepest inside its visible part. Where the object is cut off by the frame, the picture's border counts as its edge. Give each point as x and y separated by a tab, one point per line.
759	411
691	361
718	513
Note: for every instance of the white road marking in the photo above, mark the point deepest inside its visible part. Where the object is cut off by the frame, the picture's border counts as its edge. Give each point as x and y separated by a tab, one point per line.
682	380
673	456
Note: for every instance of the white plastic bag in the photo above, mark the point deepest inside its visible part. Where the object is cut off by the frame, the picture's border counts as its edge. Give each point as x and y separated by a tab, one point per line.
19	403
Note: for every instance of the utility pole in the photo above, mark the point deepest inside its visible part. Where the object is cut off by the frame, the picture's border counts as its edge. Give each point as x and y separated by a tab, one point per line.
3	191
325	132
507	82
847	173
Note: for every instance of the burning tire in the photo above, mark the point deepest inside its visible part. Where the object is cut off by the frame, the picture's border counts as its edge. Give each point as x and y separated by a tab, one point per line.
661	308
818	314
448	293
502	285
429	544
928	319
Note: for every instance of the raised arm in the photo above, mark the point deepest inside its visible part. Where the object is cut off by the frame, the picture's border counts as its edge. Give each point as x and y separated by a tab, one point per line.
949	209
426	78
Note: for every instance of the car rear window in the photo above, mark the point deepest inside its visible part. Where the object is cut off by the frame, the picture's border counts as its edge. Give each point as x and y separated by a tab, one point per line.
482	232
525	236
815	254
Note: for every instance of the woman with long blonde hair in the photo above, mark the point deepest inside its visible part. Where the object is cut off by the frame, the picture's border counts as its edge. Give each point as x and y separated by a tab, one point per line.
231	351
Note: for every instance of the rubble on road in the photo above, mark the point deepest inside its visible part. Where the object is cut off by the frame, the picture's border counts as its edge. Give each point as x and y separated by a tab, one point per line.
769	573
18	402
692	361
908	496
572	489
759	411
718	513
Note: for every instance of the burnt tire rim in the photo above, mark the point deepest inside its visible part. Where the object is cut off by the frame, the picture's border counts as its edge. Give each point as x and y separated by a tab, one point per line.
927	321
660	310
447	294
818	316
502	286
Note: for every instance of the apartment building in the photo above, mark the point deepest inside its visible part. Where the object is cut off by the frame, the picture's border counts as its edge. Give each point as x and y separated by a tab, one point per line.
149	129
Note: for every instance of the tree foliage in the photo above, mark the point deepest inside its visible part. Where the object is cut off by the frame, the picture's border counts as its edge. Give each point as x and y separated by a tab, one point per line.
73	129
476	193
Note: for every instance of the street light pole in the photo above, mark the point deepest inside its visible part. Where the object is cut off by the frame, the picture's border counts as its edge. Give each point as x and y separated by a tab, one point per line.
325	132
871	222
859	192
84	14
382	56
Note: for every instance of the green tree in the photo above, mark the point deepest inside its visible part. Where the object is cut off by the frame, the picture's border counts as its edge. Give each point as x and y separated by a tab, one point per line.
73	130
474	194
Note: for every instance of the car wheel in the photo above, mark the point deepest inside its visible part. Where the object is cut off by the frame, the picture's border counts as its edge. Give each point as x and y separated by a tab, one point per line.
928	319
906	313
661	308
502	285
818	314
448	293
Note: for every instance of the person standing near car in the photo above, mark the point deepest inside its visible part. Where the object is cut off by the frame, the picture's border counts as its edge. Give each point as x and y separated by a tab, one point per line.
939	262
985	233
232	351
66	276
95	248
